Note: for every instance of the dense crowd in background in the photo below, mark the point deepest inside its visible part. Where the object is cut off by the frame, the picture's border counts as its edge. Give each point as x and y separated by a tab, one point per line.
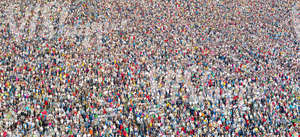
149	68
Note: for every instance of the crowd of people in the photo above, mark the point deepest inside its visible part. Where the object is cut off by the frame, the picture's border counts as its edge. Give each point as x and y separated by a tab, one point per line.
149	68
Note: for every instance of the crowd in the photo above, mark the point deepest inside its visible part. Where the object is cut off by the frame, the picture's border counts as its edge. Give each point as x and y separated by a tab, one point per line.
149	68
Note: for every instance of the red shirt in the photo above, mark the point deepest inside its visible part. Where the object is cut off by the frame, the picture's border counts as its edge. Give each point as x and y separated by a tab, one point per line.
124	133
227	128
